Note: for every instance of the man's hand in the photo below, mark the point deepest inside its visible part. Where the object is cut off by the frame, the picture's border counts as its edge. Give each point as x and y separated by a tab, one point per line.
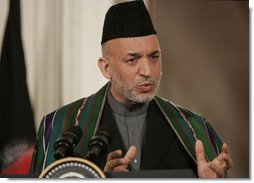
116	163
216	168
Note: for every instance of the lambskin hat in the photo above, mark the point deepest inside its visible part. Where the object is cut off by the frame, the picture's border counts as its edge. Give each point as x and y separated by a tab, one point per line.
128	19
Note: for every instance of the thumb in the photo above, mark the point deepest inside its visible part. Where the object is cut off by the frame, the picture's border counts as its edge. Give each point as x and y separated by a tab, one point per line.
130	154
200	152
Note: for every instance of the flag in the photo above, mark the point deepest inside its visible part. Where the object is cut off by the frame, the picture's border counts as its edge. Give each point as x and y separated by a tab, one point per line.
17	131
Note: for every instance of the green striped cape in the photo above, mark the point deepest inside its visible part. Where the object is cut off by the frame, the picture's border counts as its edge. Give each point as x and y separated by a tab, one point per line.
86	113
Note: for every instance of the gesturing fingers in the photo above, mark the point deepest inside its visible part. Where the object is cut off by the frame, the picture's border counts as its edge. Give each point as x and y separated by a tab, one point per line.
218	166
114	154
122	168
226	156
225	148
116	163
223	159
228	161
218	169
200	152
130	154
112	164
222	162
113	160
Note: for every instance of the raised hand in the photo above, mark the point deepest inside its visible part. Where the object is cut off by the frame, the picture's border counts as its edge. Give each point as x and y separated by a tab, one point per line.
116	163
217	167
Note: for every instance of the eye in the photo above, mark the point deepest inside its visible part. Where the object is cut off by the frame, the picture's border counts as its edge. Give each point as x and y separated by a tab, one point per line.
131	60
154	57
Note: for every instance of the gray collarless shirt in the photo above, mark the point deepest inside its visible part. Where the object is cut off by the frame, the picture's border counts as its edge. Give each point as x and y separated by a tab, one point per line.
131	122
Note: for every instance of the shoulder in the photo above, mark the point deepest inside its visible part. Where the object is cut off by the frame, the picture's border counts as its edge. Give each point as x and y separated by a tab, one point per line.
185	120
80	103
199	118
68	108
168	105
182	116
62	117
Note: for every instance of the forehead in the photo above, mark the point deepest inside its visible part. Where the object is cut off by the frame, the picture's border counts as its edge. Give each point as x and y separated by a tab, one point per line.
133	44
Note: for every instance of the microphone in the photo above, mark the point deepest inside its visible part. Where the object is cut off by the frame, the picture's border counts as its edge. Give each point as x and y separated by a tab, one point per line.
98	145
64	145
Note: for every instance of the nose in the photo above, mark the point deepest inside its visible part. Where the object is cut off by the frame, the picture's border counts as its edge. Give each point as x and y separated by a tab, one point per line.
145	68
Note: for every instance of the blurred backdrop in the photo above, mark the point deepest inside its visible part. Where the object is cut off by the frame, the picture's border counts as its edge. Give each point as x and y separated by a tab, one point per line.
205	55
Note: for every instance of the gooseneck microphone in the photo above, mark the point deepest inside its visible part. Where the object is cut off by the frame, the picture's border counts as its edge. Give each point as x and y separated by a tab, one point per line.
98	145
69	164
64	145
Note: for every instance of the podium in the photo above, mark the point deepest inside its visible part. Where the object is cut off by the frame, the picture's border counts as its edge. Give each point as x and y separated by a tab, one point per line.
174	173
74	167
186	173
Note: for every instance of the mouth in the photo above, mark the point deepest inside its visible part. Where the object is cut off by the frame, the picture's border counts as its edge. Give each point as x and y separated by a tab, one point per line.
145	87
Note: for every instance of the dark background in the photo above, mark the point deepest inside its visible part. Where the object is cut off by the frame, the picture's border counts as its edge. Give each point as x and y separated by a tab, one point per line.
205	58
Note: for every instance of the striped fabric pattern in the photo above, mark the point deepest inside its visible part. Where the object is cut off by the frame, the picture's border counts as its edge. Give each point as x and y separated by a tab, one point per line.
199	128
205	133
54	124
187	125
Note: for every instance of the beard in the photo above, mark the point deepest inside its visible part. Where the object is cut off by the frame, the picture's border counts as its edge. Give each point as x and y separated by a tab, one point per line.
129	93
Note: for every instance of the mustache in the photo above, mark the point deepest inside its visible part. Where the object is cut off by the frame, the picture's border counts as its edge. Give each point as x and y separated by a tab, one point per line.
146	80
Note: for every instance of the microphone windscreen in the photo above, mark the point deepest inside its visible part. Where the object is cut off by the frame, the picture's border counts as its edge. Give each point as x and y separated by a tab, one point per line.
74	131
64	145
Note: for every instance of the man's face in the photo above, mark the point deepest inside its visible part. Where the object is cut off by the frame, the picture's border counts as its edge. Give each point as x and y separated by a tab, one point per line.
134	65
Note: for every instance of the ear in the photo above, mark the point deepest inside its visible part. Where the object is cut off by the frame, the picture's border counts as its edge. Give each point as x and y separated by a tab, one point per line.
103	64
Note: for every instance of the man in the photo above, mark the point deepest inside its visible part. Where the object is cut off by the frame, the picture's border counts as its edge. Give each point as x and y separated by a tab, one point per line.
147	131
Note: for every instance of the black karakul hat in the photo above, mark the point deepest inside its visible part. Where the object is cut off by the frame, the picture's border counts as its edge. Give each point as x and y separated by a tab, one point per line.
128	19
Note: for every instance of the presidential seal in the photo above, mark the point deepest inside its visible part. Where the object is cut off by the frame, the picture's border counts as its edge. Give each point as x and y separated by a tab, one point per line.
72	167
